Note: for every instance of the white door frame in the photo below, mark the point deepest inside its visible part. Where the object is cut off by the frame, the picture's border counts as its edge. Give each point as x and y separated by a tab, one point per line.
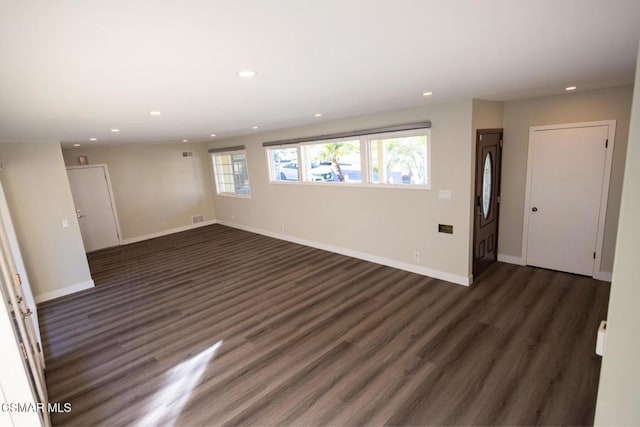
13	298
110	190
597	274
17	264
16	385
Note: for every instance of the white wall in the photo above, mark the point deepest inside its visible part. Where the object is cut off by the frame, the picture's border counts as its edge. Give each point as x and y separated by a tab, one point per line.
619	391
519	116
387	223
37	191
155	188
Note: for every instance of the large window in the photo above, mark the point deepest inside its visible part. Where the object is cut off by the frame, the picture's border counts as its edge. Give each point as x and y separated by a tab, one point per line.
230	169
336	161
284	164
401	160
391	159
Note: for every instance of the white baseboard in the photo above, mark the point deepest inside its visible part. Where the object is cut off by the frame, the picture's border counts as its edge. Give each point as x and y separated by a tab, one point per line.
442	275
511	259
605	276
166	232
64	291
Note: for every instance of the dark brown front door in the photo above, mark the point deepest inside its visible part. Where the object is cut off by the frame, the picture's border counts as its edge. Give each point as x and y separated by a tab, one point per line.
487	199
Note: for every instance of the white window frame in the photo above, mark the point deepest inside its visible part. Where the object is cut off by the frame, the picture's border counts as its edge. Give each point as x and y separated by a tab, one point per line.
270	169
328	141
400	134
365	160
215	173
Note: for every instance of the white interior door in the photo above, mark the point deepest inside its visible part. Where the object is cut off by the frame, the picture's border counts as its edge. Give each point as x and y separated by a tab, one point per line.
94	206
18	381
567	176
22	365
17	265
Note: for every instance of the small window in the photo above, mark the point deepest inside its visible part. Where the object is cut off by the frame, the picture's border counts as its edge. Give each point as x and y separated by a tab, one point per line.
486	186
284	164
337	161
230	170
399	161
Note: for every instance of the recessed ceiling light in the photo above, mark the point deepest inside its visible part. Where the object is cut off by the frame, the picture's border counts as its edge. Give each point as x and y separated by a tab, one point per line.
185	140
317	115
76	145
213	135
570	88
93	139
427	93
115	130
155	113
254	127
247	73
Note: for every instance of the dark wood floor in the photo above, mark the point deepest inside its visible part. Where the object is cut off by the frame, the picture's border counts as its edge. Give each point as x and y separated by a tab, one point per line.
218	326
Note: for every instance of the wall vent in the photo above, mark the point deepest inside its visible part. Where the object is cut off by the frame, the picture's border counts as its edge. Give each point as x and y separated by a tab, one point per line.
187	154
197	218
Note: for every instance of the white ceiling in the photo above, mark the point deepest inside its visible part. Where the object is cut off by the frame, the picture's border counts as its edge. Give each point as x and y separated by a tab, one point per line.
72	70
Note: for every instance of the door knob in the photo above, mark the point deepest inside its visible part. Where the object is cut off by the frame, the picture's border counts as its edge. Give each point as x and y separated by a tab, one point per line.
81	216
534	209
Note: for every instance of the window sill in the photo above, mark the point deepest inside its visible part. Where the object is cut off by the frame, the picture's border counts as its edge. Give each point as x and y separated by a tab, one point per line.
236	196
353	184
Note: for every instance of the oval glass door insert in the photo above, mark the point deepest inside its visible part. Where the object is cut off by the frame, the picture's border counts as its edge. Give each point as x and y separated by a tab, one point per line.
486	186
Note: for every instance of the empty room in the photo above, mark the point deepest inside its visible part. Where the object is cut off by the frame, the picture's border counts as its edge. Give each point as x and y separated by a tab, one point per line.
420	212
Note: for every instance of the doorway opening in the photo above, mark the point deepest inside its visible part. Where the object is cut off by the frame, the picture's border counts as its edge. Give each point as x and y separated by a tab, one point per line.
486	199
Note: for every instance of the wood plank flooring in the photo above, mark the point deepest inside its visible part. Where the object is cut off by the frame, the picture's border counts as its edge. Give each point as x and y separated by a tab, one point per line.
217	326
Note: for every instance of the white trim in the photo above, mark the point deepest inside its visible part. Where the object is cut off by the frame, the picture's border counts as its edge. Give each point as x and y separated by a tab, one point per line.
112	199
18	261
214	169
351	184
605	186
425	271
166	232
64	291
16	382
510	259
237	196
605	276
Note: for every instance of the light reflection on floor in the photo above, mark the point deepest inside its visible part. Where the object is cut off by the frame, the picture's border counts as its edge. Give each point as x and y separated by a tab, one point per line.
167	404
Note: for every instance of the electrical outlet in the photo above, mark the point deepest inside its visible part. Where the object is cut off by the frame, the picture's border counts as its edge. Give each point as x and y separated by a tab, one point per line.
233	217
416	256
282	228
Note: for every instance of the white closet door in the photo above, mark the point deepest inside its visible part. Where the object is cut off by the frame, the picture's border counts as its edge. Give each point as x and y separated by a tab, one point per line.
94	206
566	188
